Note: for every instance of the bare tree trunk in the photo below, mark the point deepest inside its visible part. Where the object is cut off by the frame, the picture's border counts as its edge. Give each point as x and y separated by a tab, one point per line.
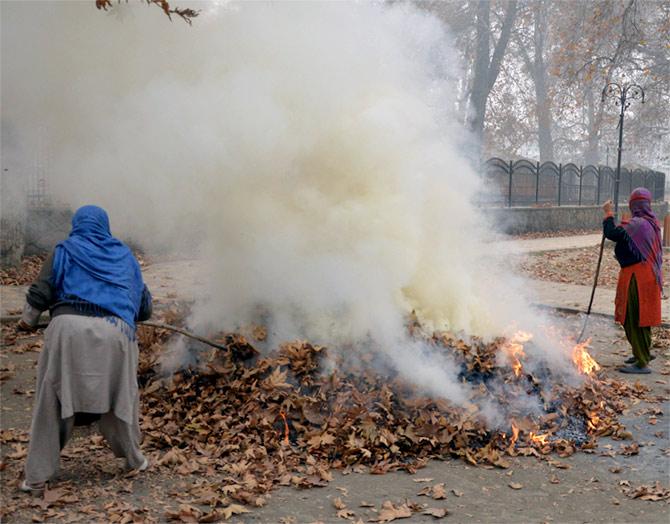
479	94
538	73
594	119
487	66
543	104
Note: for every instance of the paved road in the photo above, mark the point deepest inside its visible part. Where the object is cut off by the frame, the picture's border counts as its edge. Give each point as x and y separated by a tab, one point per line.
536	245
577	297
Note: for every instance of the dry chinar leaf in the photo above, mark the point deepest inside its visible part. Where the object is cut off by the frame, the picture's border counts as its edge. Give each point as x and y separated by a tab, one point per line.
390	512
438	513
653	492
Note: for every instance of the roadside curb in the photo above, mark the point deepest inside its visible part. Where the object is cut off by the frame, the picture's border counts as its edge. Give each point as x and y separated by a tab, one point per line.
573	311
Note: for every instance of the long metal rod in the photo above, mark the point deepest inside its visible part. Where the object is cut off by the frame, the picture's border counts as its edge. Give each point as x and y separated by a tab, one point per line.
616	213
618	159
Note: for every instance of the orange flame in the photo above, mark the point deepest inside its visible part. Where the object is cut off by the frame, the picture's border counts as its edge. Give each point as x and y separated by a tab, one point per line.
286	431
514	350
594	420
538	439
515	435
585	363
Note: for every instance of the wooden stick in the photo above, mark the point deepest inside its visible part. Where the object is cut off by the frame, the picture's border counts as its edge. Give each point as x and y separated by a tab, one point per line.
181	331
15	318
593	290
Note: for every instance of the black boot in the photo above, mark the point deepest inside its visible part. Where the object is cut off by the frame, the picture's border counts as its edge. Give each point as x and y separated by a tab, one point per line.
633	360
635	370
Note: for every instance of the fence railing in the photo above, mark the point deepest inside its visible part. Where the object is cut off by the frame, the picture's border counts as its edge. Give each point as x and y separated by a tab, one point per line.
525	183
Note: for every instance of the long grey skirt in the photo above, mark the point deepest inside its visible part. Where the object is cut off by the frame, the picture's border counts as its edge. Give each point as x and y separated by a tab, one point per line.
88	365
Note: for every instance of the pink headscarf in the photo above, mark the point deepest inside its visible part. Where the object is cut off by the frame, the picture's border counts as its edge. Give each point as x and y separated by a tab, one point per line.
645	232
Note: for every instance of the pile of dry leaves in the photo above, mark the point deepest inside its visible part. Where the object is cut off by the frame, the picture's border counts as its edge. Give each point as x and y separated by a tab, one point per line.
278	419
23	275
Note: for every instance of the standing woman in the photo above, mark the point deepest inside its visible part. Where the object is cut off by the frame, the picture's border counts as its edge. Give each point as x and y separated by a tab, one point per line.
93	288
638	296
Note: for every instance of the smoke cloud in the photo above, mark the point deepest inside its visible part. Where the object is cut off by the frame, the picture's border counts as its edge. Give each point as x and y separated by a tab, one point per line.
309	150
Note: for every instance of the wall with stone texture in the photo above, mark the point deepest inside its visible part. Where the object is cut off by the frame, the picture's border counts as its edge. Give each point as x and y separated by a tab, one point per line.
12	240
44	228
518	220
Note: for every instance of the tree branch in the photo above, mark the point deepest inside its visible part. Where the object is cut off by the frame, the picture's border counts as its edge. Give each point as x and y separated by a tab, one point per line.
501	44
187	14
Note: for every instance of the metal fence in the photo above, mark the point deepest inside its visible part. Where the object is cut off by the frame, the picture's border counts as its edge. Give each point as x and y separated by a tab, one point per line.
525	183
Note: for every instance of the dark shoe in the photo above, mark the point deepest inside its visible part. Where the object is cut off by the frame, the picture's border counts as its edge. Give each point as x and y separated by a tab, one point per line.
635	370
633	360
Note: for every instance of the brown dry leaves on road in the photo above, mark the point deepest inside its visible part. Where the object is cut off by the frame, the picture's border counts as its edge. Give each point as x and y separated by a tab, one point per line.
23	275
646	492
576	266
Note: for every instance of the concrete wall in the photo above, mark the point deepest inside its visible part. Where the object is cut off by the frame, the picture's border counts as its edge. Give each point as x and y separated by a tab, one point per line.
517	220
12	240
45	227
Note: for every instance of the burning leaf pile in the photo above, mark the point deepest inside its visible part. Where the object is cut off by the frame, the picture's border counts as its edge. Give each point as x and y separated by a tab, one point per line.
280	419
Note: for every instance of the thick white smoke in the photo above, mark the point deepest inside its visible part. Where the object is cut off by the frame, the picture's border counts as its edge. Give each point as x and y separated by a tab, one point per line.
311	147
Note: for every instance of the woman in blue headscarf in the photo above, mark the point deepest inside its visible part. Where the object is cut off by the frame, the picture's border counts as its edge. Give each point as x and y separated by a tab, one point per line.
93	288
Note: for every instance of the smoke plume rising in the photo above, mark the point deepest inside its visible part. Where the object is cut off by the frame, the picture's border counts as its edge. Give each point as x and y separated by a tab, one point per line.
310	150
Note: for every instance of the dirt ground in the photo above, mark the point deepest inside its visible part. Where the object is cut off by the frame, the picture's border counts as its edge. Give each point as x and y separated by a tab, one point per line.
586	487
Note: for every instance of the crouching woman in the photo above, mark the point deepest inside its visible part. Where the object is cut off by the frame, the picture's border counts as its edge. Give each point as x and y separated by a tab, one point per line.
639	252
92	285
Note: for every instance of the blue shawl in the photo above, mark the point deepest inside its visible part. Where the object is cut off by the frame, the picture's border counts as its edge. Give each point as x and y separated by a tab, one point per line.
93	266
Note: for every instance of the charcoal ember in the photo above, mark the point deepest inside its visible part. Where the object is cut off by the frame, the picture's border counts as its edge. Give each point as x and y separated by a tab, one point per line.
144	378
553	406
542	374
474	377
574	431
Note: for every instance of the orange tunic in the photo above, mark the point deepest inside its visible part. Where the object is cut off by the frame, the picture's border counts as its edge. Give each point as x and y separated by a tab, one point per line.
648	290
